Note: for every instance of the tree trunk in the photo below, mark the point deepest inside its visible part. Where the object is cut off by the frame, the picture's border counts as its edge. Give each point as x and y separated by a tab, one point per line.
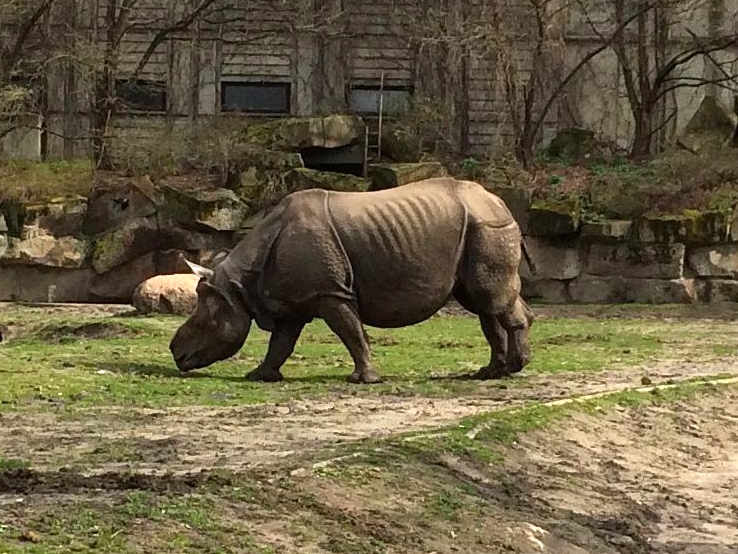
641	147
102	113
524	146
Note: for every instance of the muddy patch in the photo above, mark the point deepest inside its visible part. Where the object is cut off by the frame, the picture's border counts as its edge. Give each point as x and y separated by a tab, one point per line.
679	460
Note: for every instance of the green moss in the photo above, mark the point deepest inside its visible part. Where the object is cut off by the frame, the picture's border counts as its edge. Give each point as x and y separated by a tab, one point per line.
706	227
555	216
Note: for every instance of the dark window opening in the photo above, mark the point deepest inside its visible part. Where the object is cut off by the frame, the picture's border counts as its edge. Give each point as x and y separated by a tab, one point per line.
238	96
141	95
365	99
345	159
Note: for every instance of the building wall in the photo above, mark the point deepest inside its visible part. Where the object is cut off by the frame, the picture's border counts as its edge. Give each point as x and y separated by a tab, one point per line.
321	50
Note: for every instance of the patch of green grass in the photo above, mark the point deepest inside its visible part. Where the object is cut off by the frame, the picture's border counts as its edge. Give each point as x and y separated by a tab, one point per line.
50	363
186	523
32	181
8	464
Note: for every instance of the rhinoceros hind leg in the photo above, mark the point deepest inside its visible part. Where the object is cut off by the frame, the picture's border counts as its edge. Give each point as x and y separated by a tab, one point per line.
281	345
343	320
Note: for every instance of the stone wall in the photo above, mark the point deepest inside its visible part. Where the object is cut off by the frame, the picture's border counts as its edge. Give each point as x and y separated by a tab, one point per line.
680	258
98	249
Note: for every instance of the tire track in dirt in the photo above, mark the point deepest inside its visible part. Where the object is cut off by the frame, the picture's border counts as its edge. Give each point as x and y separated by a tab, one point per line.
186	439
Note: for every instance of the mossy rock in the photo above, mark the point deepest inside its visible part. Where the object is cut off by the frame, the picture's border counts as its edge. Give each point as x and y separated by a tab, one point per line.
693	227
304	178
554	217
400	144
707	227
217	209
296	133
385	176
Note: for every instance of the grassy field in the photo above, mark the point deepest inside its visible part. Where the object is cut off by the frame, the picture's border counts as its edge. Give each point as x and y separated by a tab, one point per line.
104	448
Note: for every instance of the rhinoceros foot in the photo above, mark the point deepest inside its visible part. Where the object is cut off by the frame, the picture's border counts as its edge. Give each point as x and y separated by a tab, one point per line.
264	375
488	372
366	377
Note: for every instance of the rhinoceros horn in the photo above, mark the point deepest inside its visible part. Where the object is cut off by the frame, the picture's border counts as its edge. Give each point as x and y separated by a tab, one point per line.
202	272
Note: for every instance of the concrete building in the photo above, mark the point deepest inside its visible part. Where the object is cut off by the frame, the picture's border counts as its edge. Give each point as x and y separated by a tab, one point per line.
457	61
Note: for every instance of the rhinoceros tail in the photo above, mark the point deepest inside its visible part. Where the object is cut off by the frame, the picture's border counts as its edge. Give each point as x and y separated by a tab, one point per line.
526	254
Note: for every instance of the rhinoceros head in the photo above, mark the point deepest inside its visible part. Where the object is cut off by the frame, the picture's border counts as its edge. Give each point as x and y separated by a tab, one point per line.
216	330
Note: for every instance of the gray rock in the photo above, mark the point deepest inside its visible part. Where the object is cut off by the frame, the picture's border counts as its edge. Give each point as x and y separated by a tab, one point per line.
33	284
658	261
114	201
384	176
607	231
60	217
554	259
590	289
714	261
554	217
218	209
126	243
332	131
546	291
717	290
45	250
304	178
661	291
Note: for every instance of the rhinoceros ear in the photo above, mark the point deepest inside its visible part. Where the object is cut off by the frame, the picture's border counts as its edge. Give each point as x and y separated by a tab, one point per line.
200	271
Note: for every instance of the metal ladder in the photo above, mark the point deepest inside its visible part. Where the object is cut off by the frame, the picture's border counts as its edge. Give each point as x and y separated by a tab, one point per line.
373	132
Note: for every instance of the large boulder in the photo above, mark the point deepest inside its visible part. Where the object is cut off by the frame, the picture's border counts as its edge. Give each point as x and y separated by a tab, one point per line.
167	294
118	284
216	209
296	133
144	235
115	201
45	250
384	176
304	178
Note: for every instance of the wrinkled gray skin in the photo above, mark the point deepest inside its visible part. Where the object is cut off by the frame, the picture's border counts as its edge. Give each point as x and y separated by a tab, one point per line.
388	258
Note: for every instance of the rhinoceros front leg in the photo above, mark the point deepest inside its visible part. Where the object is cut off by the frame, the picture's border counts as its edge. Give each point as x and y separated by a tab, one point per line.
281	345
346	324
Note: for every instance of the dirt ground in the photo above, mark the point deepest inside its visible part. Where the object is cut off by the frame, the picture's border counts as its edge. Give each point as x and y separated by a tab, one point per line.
642	480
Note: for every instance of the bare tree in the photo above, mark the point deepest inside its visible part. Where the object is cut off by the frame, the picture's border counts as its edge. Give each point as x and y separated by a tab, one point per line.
21	65
655	55
101	56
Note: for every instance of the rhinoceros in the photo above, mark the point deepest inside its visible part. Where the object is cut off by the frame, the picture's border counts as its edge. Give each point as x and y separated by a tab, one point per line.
385	259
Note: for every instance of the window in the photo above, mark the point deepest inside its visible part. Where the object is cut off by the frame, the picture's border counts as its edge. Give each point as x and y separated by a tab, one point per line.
365	99
141	95
238	96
